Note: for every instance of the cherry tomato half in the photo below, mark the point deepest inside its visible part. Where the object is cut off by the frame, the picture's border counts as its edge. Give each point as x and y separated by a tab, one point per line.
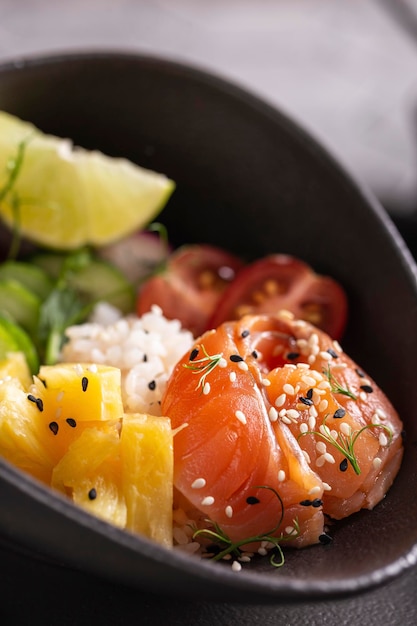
191	286
279	282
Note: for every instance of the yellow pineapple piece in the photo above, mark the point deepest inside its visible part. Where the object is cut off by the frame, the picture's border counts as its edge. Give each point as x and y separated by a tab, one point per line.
15	366
90	473
76	397
147	475
23	432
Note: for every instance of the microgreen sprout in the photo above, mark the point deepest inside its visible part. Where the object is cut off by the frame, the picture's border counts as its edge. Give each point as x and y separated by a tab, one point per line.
336	387
227	546
345	441
204	366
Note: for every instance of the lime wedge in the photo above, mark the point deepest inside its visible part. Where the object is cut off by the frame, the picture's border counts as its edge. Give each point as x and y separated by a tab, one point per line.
67	197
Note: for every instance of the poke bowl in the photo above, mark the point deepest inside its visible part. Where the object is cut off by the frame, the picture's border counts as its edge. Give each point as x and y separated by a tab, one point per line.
251	181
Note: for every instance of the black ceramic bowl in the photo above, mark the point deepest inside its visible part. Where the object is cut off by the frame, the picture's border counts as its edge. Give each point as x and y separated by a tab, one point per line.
251	180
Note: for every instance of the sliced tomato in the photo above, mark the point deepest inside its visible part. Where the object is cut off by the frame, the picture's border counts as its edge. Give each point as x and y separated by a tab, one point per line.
280	282
191	286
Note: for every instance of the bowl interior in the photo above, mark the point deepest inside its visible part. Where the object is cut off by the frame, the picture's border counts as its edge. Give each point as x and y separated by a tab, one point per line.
250	180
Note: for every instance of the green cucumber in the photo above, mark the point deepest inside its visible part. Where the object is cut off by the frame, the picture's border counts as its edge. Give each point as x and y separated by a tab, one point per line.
28	275
14	339
19	304
94	281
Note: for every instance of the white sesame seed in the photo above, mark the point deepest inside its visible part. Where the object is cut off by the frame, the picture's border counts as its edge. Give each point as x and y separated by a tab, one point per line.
336	346
345	428
232	377
339	366
381	414
293	414
325	355
311	422
308	380
313	339
222	362
58	412
363	396
324	384
78	369
280	401
377	462
320	461
281	475
207	501
311	359
266	382
60	396
290	366
286	419
321	447
306	456
289	530
303	428
93	368
300	324
329	458
303	366
244	559
383	439
240	416
262	551
179	535
273	414
229	511
242	365
323	405
314	490
206	388
236	566
312	411
289	389
326	487
199	483
325	430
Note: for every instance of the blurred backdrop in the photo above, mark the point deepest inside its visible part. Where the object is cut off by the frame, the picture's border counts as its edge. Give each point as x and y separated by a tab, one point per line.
345	69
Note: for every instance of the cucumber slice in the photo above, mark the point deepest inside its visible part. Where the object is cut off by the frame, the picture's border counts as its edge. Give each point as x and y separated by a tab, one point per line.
28	275
19	304
96	281
14	339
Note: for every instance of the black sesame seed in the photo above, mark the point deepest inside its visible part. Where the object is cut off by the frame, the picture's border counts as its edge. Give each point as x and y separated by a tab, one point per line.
292	355
360	373
306	502
84	383
53	426
306	401
367	388
245	333
92	494
71	422
339	413
332	353
343	465
325	539
309	394
194	354
152	385
255	354
236	358
316	503
145	358
32	398
252	500
39	404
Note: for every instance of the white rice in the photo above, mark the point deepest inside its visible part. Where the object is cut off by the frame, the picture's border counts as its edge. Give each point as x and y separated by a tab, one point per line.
145	349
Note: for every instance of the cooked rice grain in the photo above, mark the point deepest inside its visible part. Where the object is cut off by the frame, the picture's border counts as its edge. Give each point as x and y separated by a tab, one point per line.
145	349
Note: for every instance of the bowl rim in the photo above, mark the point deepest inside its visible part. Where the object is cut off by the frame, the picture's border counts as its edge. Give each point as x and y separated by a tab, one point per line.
252	583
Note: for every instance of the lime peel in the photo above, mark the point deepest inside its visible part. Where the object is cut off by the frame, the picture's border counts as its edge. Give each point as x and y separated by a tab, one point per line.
69	197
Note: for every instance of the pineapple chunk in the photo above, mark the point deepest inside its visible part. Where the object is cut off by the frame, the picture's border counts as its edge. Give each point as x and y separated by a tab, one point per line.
82	392
15	366
90	473
23	432
147	474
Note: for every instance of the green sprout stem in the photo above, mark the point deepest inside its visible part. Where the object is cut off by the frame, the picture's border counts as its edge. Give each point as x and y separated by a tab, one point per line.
204	366
345	443
336	387
218	536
